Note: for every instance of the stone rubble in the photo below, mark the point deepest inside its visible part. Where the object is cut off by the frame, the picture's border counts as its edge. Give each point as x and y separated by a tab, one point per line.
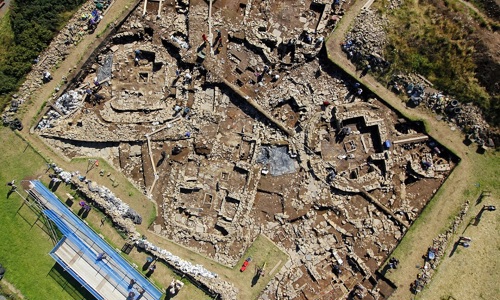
438	247
466	116
120	212
364	45
124	218
185	114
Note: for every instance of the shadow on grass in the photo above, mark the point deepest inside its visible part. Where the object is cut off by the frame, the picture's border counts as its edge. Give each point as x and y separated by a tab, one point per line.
255	278
69	284
455	247
385	270
478	217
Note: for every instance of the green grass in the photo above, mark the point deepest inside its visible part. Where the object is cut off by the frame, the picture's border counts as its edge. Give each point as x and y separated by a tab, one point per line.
6	35
25	245
24	248
261	251
6	40
152	217
484	177
37	115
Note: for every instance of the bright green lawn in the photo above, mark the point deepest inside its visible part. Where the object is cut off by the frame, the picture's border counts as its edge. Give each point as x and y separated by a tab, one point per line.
23	249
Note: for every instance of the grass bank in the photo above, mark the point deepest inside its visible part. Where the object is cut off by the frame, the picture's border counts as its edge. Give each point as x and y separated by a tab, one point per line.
443	41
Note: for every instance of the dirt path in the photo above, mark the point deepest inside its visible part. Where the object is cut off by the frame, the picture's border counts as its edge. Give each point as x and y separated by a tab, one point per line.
12	289
5	8
475	9
459	187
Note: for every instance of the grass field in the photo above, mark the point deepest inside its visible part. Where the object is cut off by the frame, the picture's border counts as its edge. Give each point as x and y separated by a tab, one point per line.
476	265
24	248
262	251
162	276
443	41
6	35
474	272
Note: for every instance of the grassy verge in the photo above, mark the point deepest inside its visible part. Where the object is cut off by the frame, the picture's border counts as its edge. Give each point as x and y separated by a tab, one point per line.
6	36
163	274
477	266
480	173
24	246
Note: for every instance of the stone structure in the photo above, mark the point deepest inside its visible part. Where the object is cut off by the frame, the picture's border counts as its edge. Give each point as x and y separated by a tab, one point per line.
201	119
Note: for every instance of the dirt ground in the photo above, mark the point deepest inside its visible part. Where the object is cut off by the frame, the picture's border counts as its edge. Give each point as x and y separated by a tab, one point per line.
8	287
75	57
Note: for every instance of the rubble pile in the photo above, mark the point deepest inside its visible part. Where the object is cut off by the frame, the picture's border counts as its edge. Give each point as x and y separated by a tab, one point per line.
365	43
184	266
224	289
465	116
125	217
48	120
436	251
69	102
115	205
120	212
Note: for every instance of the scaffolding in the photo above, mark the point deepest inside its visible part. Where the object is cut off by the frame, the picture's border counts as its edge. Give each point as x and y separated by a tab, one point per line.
87	257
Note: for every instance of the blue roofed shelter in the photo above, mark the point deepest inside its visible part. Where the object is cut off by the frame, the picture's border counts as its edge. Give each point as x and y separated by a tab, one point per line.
79	252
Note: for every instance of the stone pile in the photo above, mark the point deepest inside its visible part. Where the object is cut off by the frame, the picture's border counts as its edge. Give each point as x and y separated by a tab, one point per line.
365	43
439	245
101	195
69	101
113	203
48	120
184	266
208	279
125	217
466	116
